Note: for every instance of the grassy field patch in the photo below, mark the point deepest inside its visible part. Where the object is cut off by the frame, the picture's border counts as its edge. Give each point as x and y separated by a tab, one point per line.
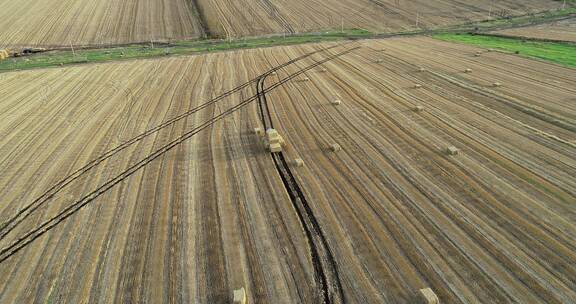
561	53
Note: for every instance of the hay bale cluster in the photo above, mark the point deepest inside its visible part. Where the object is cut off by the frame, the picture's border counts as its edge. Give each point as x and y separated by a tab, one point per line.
273	141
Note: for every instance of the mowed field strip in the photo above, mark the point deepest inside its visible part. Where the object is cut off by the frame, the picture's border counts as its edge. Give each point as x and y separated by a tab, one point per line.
61	23
83	22
564	30
236	18
493	224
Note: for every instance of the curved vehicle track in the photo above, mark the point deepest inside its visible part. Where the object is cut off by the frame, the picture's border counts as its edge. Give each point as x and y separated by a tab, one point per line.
493	224
325	268
44	227
11	223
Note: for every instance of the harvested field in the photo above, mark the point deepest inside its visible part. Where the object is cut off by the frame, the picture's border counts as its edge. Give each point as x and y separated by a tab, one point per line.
82	22
236	18
564	30
493	224
56	23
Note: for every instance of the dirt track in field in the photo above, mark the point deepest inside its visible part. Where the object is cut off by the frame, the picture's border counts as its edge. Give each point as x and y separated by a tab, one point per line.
492	224
80	22
237	18
564	30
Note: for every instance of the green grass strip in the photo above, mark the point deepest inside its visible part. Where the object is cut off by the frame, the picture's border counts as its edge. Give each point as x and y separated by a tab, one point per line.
558	52
67	57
